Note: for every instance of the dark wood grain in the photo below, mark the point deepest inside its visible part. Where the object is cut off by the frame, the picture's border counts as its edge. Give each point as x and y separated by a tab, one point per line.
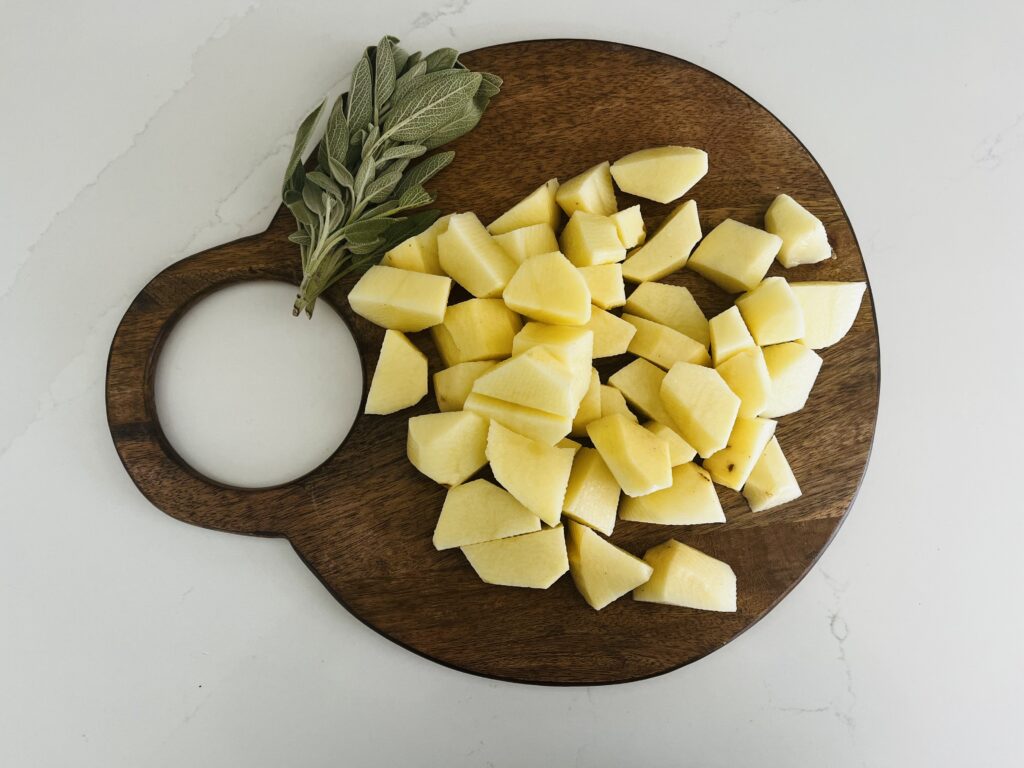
363	520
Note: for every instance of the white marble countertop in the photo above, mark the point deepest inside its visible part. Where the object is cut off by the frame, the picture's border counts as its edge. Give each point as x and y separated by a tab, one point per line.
136	133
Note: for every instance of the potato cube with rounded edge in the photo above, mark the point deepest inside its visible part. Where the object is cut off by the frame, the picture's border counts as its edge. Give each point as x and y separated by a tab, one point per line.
732	465
746	373
419	252
771	482
661	174
607	289
453	385
535	560
521	244
539	207
549	289
480	511
729	335
804	240
590	191
589	239
536	474
640	384
701	405
468	253
592	497
671	305
638	459
399	299
590	406
612	401
630	225
546	428
612	334
679	451
535	379
829	310
400	378
793	369
735	256
663	345
690	500
687	577
668	249
477	329
601	571
772	312
447	447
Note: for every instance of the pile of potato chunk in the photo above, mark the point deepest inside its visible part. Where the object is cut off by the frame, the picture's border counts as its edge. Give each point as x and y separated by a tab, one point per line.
695	405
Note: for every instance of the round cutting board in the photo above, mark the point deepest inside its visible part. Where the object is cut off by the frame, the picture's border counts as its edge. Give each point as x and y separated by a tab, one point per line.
363	520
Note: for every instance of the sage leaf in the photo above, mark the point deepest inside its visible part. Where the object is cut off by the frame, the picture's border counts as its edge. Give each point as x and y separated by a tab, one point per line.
415	196
341	174
381	187
425	170
490	84
300	238
409	80
384	75
306	128
439	98
413	60
442	58
336	136
326	183
370	142
366	173
364	231
400	151
360	95
401	57
311	197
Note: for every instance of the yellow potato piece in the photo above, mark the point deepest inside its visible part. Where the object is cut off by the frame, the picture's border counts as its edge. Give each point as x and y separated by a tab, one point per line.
746	373
735	256
589	239
521	244
638	460
536	474
630	225
687	577
772	312
399	299
662	174
590	406
771	482
453	385
447	447
612	401
419	252
701	405
480	511
612	334
549	289
679	451
539	207
640	383
468	253
607	288
804	240
829	310
601	571
671	305
591	191
664	346
690	500
592	496
535	379
732	465
793	369
400	378
729	335
572	345
668	249
477	329
535	560
538	425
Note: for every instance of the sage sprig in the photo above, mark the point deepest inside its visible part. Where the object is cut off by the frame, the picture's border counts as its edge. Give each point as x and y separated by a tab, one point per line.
356	200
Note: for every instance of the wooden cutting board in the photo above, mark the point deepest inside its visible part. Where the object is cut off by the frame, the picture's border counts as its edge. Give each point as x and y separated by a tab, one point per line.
363	520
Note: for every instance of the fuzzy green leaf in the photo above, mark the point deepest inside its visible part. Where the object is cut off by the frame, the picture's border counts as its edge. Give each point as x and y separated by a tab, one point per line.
438	99
302	137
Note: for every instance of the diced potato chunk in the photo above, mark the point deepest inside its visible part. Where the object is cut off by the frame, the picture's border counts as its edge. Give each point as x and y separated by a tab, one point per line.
544	427
671	305
771	482
607	289
549	289
447	447
612	334
419	252
630	225
539	207
804	240
701	405
731	466
690	500
535	473
746	373
520	244
687	577
477	329
829	310
793	369
612	401
399	299
679	451
565	442
772	312
638	459
669	247
469	254
735	256
574	346
590	406
453	385
589	239
602	572
663	345
592	497
535	379
640	384
661	174
729	335
400	378
536	560
480	511
591	191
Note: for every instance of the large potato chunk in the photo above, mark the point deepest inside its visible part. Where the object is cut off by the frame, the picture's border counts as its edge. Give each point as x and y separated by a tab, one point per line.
480	511
477	329
535	379
589	239
400	378
538	425
419	253
687	577
591	191
447	447
539	207
534	560
735	256
592	497
690	500
535	473
469	254
571	345
771	482
399	299
612	334
803	236
668	249
521	244
772	312
746	373
638	459
701	405
729	335
453	385
549	289
732	465
671	305
661	174
829	310
793	369
664	346
607	289
602	572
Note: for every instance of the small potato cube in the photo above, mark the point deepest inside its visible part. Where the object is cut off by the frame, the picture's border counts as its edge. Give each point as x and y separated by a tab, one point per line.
589	239
701	405
686	577
804	240
592	497
793	369
607	289
549	289
746	373
630	225
771	482
735	256
664	346
453	385
732	465
573	346
612	334
671	305
661	174
544	427
591	191
679	451
668	249
399	299
534	560
469	254
477	329
520	244
729	335
638	460
480	511
772	312
829	310
535	473
690	500
602	572
447	447
535	379
539	207
419	252
400	378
